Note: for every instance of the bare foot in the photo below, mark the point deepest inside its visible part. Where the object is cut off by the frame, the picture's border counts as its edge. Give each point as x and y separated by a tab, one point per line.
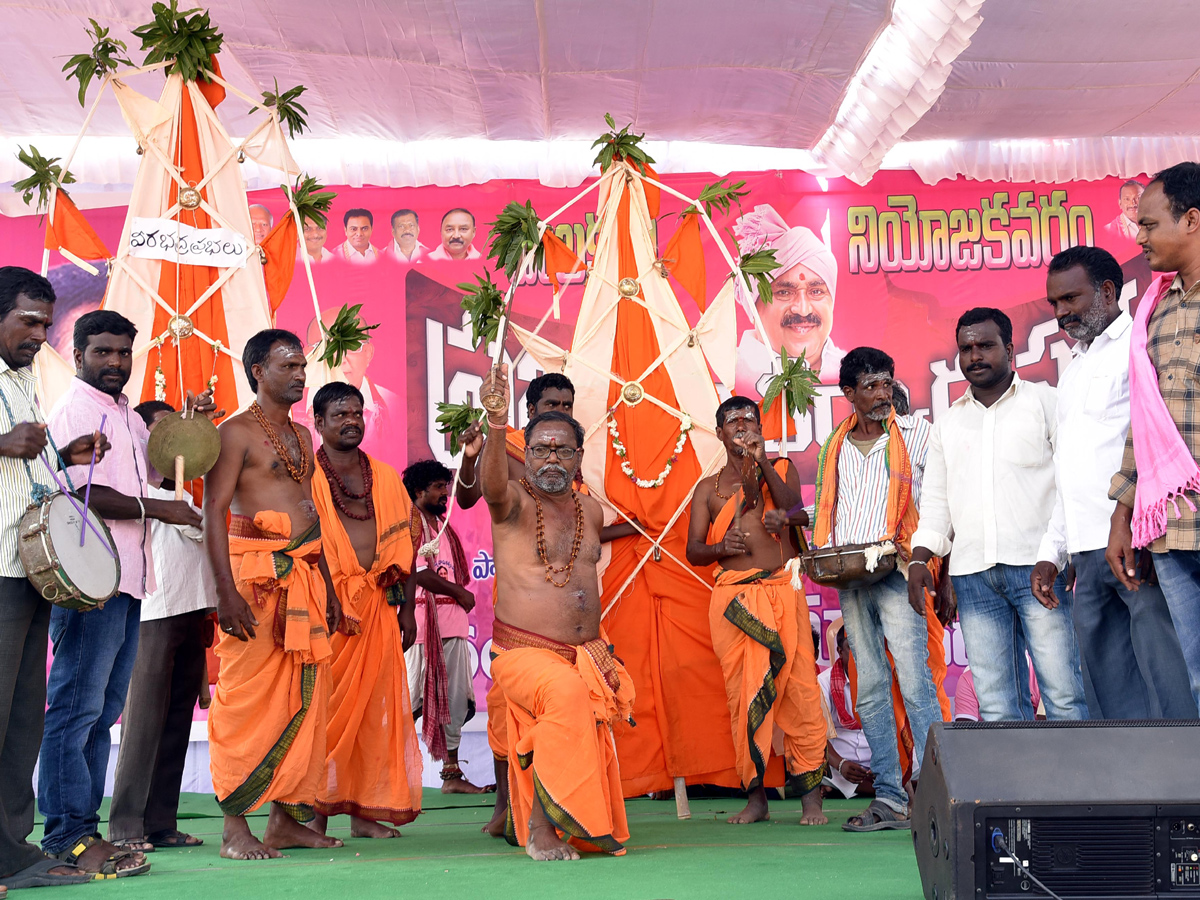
811	808
319	824
283	833
755	811
462	786
495	827
545	844
662	795
92	859
238	843
368	828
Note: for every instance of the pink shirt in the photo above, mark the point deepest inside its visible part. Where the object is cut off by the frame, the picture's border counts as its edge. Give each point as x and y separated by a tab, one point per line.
452	618
966	704
125	468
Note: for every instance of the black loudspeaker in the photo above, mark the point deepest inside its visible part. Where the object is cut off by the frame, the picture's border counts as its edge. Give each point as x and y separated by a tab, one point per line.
1091	809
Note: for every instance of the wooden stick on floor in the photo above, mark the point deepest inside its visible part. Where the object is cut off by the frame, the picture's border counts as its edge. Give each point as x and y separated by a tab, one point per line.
682	810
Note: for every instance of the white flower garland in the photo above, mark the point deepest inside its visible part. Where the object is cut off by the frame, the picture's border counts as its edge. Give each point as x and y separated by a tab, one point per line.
685	426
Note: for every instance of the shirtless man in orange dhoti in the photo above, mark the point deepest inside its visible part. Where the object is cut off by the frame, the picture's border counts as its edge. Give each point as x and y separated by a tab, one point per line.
373	767
552	392
276	606
561	686
759	621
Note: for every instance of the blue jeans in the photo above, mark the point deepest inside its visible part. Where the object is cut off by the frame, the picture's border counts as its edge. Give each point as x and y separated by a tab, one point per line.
1179	577
93	661
1123	634
997	612
872	615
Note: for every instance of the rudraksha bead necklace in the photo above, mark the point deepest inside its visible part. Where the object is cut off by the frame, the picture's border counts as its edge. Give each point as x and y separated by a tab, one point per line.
337	486
298	473
576	543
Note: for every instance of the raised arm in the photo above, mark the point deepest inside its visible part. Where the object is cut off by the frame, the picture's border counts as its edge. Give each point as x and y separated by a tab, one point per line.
220	484
469	491
498	490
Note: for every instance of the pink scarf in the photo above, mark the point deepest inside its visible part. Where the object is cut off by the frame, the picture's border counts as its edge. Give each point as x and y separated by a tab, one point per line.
1165	465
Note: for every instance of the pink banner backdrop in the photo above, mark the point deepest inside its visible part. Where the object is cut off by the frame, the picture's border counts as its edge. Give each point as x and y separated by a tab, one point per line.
910	259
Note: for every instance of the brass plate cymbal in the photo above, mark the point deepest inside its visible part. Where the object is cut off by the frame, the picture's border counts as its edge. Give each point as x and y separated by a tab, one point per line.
194	438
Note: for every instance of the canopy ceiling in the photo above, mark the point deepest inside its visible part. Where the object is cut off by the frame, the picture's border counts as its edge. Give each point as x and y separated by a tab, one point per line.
411	92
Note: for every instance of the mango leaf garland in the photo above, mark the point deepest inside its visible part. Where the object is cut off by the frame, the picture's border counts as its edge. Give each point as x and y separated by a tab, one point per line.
757	267
311	199
513	234
796	382
455	418
621	144
102	60
187	37
720	195
46	174
287	104
345	334
484	305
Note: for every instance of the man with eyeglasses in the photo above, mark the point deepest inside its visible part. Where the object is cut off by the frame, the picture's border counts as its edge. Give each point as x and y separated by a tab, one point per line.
563	689
551	392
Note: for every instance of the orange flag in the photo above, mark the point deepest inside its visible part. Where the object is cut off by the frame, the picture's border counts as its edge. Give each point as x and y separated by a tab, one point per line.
684	258
212	91
772	420
280	248
559	258
69	232
653	194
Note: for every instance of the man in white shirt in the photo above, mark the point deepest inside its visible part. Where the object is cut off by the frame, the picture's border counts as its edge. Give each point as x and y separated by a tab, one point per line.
1125	224
989	492
357	247
314	241
167	677
405	247
1123	634
849	752
868	491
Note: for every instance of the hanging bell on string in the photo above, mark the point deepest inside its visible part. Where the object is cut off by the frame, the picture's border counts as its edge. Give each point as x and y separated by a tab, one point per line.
241	156
140	150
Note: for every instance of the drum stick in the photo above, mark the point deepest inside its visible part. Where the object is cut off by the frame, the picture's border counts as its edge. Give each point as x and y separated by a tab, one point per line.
79	509
179	477
87	494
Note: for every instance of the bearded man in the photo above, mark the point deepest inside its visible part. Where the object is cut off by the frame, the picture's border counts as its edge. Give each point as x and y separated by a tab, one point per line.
1122	633
563	689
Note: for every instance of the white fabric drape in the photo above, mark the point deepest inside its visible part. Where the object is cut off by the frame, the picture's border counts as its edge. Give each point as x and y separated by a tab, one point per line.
1046	161
902	76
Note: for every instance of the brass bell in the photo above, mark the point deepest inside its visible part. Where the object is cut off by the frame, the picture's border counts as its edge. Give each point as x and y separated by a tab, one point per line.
140	150
241	156
189	197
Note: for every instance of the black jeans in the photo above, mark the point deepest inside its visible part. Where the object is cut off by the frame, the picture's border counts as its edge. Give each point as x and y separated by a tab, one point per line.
156	725
24	637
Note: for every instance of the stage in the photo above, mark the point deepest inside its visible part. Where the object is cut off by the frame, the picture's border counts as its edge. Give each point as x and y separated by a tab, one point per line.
443	855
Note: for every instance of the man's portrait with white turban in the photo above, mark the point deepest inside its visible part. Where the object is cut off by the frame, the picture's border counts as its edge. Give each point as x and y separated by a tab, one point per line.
799	313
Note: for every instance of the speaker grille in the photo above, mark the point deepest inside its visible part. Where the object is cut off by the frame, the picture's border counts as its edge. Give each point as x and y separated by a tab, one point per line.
1094	857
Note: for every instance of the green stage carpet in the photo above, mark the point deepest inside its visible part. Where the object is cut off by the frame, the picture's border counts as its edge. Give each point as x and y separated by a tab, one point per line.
443	855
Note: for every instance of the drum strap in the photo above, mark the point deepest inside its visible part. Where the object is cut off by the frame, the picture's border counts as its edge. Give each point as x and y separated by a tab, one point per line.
38	491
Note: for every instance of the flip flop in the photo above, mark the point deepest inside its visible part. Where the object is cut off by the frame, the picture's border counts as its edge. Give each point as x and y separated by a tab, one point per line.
877	817
172	838
38	875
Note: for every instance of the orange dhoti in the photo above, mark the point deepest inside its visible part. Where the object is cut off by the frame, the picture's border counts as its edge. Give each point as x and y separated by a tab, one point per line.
373	766
266	727
561	703
761	633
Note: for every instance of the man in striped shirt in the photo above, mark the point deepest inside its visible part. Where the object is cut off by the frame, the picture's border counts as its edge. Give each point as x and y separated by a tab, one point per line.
26	314
868	491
